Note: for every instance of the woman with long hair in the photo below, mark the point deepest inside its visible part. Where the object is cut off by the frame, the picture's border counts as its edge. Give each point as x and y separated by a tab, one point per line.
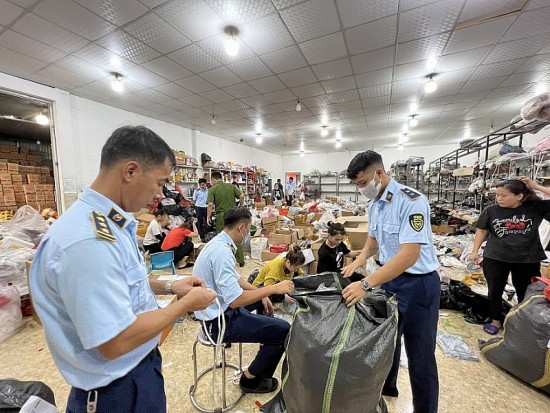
513	245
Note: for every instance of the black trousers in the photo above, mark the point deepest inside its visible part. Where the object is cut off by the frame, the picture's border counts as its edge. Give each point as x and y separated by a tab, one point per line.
185	249
496	272
153	247
201	221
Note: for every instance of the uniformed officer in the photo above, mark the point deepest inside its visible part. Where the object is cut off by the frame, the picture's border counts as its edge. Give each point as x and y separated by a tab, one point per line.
90	289
221	197
399	229
216	265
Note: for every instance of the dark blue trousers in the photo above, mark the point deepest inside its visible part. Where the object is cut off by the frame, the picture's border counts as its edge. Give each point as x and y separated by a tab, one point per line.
418	305
139	391
244	327
201	221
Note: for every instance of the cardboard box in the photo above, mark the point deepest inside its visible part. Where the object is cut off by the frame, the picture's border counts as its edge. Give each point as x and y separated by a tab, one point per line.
315	248
268	255
259	205
356	230
283	236
347	213
268	220
13	168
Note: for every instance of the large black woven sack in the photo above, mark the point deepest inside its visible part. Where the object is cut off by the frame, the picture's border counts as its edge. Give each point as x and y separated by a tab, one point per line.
523	350
337	358
14	394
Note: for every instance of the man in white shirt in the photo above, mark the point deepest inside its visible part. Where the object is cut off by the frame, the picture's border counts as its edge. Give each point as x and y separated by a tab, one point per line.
200	197
155	235
290	190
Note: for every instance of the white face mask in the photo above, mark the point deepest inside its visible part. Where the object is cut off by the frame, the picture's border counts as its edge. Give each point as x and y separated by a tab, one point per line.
371	190
243	236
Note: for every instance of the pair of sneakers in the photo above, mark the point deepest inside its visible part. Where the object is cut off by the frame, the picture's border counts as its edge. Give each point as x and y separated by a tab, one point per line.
258	384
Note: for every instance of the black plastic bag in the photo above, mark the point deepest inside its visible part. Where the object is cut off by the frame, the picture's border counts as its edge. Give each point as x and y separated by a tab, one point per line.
14	394
337	358
205	158
523	351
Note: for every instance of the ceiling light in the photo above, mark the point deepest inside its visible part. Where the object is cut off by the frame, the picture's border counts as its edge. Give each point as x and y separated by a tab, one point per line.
42	119
298	107
324	132
412	121
413	106
302	154
430	86
403	138
400	148
259	139
405	128
338	144
231	40
213	121
116	83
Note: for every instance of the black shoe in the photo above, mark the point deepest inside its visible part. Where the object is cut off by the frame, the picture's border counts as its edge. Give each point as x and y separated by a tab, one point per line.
241	264
390	392
258	384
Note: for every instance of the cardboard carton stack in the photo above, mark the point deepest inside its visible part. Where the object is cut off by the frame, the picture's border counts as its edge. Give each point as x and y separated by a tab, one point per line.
23	181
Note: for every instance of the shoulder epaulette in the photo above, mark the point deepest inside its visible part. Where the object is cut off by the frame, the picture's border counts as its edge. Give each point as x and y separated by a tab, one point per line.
410	193
101	227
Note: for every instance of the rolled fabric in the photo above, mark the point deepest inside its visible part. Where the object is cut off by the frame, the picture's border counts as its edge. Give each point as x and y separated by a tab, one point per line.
532	107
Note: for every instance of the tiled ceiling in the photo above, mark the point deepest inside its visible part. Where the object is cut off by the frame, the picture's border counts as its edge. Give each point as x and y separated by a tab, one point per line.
354	65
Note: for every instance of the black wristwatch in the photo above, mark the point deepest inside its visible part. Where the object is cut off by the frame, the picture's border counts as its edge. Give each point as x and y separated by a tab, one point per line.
366	286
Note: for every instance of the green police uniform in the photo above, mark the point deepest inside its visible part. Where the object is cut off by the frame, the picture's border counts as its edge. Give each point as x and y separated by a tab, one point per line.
222	196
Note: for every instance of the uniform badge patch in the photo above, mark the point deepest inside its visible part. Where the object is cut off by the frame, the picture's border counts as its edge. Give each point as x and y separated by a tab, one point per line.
117	218
416	222
101	226
410	193
389	196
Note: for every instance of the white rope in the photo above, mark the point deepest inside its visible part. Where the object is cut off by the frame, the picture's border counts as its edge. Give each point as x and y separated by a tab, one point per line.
218	346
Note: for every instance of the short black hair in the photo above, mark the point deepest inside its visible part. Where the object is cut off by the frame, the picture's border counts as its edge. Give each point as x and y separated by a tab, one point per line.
216	175
159	212
136	143
291	178
336	228
235	216
362	161
202	181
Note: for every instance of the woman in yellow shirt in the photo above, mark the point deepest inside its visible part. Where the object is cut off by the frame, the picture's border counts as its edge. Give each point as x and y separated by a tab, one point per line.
277	270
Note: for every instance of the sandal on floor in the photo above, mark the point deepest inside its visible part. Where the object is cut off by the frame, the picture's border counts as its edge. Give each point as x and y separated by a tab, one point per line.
186	265
490	329
264	385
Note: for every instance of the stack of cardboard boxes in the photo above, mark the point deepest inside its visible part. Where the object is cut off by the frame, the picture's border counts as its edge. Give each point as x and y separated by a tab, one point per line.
23	181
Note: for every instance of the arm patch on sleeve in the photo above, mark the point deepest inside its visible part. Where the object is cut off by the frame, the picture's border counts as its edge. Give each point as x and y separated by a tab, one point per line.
416	221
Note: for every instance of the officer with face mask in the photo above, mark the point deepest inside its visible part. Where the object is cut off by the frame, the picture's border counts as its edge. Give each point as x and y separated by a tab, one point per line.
216	266
399	230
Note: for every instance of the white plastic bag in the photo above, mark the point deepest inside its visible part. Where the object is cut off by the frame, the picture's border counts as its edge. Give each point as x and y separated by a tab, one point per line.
10	312
257	245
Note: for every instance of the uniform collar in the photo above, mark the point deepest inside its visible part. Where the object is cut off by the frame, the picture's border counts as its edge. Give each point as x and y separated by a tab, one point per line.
390	191
226	239
107	207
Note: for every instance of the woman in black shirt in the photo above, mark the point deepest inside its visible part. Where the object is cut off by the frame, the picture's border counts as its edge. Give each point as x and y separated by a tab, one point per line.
513	244
333	250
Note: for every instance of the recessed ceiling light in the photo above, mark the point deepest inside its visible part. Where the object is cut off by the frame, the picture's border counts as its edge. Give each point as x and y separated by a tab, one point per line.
231	41
116	83
324	132
298	106
431	85
259	139
213	121
400	148
338	144
413	121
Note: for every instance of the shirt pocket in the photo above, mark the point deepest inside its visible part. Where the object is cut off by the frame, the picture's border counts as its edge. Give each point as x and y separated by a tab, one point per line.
391	238
138	284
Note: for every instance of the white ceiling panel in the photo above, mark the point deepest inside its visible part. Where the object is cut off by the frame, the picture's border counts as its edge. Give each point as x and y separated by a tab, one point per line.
152	95
217	96
284	60
324	49
266	34
516	49
330	70
241	12
144	76
413	70
241	90
220	77
474	9
196	84
357	12
194	58
376	77
250	69
375	60
167	68
117	12
428	20
267	84
30	47
468	58
44	31
178	105
298	77
196	101
307	91
372	36
128	47
91	71
155	32
13	62
339	85
111	62
311	19
422	49
10	12
281	96
173	90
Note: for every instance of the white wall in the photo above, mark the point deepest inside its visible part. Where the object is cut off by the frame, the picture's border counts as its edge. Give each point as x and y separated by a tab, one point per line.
338	161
